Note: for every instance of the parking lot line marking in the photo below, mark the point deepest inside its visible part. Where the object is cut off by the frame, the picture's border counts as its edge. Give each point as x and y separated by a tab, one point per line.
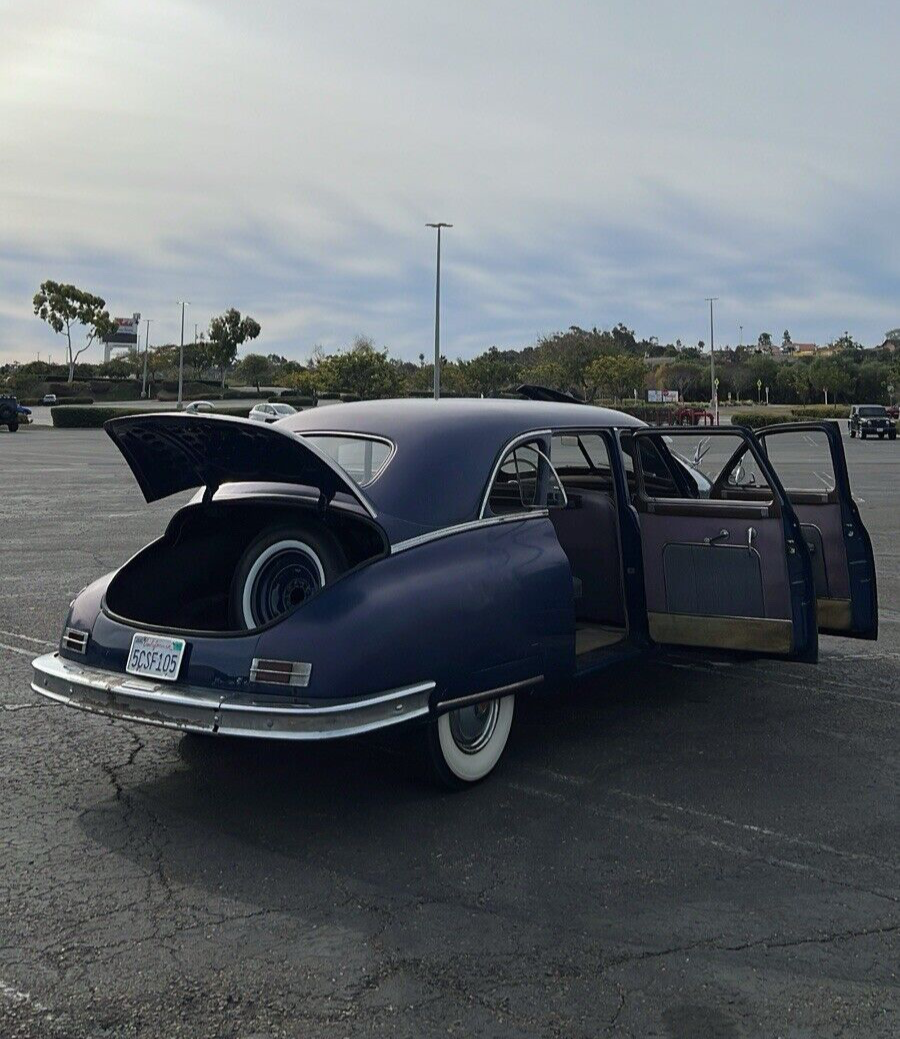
16	649
27	638
763	831
17	997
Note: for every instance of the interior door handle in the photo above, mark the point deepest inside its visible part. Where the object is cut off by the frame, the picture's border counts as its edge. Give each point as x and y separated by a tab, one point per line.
723	535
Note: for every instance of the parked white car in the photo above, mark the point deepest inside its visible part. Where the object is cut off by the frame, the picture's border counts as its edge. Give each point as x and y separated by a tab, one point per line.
197	407
271	412
48	398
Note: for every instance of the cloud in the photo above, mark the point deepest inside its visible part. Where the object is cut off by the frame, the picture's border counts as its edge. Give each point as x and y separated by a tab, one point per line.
599	163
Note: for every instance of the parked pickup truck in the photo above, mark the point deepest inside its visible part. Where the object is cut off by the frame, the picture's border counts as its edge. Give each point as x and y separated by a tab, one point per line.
869	420
12	414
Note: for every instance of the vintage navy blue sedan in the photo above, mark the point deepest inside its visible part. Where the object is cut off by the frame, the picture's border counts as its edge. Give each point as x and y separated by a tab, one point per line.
372	564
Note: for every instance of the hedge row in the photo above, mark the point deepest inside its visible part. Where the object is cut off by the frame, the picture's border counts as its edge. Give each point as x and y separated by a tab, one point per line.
93	418
814	411
759	419
295	402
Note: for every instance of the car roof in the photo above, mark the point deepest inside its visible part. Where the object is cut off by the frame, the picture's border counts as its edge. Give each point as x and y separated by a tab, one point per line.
445	450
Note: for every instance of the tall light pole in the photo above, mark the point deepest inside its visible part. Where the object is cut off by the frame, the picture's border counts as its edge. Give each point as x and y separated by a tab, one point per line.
437	313
741	327
714	393
184	303
146	356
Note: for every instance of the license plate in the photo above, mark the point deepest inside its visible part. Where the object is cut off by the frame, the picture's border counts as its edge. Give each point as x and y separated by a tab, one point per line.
155	656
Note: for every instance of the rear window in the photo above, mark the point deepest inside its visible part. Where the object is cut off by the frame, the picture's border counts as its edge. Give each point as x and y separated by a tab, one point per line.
361	458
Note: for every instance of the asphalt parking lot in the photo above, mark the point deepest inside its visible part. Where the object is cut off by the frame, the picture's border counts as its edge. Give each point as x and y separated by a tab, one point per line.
679	849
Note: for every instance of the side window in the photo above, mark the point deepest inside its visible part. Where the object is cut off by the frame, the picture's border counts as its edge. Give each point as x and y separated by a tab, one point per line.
582	457
658	479
802	460
525	480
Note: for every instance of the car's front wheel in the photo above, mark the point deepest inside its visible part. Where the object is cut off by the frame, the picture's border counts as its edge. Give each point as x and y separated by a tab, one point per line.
465	745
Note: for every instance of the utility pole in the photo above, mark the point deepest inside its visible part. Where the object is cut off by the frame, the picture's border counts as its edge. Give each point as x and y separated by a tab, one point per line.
713	393
437	313
146	357
741	327
184	303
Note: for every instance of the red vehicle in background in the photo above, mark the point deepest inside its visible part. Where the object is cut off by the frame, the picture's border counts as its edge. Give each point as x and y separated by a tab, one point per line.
693	417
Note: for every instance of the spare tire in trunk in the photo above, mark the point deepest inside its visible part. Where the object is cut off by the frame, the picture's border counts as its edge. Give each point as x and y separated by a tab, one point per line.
281	569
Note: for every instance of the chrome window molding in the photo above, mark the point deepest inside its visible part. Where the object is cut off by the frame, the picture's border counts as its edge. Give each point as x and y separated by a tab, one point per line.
354	436
461	528
520	438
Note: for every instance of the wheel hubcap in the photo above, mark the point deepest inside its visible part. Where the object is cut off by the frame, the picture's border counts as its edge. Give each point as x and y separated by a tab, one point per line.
472	727
287	579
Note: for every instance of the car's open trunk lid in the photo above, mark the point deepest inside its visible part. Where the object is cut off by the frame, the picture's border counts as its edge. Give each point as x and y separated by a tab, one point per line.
169	453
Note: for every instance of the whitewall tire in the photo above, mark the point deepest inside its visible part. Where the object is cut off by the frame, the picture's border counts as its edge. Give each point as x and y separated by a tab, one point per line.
466	744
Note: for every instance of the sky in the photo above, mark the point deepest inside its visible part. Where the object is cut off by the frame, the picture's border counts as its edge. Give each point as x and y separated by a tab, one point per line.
600	162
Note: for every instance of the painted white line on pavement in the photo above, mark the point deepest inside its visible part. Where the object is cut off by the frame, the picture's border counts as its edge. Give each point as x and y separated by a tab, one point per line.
16	649
27	638
17	997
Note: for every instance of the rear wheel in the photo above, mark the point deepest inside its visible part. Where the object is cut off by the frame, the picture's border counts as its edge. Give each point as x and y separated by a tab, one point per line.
465	745
13	426
282	569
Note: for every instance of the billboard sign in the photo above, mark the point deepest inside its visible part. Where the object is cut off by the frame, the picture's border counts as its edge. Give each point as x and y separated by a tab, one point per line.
662	396
126	333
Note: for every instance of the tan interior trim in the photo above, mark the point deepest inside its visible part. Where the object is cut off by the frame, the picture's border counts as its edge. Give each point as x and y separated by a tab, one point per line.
834	614
759	634
589	637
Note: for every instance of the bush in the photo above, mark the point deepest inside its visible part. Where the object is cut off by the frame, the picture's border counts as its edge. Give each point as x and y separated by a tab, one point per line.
295	402
246	395
93	418
814	411
758	419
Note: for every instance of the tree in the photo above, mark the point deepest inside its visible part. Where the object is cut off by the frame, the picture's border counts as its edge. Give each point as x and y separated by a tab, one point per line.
64	307
786	339
115	368
361	370
683	375
764	341
618	374
227	333
303	381
491	373
254	368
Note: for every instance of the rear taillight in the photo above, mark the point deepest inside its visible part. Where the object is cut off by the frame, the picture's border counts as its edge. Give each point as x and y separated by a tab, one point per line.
75	640
280	672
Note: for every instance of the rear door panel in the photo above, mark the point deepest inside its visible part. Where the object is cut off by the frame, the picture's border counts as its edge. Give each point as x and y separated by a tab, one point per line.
838	543
720	573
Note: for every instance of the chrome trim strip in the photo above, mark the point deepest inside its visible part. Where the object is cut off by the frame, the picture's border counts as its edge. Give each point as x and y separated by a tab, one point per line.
489	694
357	436
518	439
202	710
461	528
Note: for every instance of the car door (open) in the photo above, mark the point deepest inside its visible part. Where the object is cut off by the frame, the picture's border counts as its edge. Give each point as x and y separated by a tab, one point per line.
719	572
809	459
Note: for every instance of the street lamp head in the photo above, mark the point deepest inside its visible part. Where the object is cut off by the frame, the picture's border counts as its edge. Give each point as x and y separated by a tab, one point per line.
440	224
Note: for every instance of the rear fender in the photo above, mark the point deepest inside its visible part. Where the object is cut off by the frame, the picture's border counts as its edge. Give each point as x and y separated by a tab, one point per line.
485	607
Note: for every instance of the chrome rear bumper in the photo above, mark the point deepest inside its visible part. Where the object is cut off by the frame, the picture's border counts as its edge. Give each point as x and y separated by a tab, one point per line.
192	709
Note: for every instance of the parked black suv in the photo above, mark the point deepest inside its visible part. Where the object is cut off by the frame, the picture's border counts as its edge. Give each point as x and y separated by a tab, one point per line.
12	414
869	420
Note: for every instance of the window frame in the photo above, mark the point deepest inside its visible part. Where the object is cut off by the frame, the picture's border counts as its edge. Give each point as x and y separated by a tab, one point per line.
347	435
541	438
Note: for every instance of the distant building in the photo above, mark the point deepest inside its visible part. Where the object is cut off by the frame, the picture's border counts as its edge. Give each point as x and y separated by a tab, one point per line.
805	349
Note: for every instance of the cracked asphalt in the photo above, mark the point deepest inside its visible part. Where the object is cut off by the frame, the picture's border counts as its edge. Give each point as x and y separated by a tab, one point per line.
680	848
